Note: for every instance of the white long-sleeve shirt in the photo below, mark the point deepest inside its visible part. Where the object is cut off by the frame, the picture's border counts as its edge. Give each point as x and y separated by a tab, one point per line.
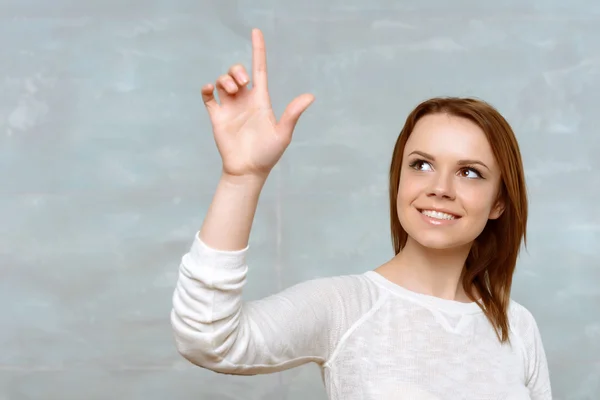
373	339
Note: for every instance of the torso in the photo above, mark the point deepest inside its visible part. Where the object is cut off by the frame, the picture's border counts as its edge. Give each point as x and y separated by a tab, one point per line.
411	346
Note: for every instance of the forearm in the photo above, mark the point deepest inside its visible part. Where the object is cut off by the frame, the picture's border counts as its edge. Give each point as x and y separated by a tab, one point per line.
229	219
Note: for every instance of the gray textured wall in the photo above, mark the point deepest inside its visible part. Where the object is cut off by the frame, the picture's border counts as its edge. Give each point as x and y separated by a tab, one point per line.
108	165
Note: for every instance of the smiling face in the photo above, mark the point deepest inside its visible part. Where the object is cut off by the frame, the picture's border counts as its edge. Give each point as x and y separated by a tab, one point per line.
449	182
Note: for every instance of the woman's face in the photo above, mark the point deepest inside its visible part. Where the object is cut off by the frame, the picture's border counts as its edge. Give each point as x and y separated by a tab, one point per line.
449	182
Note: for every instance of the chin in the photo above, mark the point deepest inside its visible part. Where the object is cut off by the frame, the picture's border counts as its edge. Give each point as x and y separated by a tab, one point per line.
437	242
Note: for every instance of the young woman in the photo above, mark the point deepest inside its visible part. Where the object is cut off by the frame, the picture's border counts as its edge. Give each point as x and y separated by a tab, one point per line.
434	322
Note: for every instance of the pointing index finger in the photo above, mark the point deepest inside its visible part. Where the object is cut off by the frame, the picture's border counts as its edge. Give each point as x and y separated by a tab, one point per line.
259	60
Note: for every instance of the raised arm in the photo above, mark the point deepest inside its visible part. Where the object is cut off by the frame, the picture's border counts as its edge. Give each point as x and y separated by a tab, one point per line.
212	326
250	141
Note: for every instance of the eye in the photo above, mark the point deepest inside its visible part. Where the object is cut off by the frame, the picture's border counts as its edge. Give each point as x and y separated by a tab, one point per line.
420	165
471	173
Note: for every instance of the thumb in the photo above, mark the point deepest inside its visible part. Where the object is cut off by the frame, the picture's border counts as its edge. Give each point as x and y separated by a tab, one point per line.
292	113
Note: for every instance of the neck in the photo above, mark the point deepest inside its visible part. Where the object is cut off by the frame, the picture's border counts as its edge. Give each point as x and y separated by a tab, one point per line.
433	272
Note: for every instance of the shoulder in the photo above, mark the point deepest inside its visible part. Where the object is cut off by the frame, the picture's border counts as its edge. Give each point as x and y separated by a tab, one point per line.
335	303
525	331
341	299
524	327
343	289
520	317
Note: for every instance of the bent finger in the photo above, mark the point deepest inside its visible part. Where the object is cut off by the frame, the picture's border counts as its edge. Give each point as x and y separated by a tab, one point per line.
226	86
239	74
208	97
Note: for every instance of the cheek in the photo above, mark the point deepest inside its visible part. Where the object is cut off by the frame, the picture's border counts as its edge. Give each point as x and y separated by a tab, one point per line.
409	188
477	199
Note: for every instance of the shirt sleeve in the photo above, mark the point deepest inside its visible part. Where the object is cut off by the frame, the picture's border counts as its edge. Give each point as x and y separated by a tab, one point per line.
537	374
215	329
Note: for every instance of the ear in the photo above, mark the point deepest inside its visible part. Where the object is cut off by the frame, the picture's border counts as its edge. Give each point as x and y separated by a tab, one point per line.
497	210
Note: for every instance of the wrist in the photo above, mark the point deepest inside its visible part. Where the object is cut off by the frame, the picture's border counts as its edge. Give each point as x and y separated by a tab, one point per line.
247	180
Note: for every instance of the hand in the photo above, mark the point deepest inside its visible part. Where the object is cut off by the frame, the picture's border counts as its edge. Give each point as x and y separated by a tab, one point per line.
249	138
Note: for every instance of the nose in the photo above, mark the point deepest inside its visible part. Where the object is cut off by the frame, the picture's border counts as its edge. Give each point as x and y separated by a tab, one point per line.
442	185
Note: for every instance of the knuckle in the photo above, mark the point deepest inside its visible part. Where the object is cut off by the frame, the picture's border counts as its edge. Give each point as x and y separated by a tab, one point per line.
223	79
236	68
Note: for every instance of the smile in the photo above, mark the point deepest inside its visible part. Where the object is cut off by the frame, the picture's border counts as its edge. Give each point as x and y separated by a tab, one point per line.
438	218
438	215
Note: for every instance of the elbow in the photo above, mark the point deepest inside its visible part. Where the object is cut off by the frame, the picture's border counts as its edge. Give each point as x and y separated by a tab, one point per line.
193	345
201	353
188	353
197	355
202	349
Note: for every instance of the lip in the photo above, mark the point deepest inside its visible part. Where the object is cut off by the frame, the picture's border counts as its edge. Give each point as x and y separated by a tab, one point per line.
438	222
444	210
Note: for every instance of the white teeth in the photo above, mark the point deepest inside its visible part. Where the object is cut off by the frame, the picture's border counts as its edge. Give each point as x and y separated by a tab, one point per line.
437	214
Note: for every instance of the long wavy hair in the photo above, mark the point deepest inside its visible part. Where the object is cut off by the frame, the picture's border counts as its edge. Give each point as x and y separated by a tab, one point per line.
493	256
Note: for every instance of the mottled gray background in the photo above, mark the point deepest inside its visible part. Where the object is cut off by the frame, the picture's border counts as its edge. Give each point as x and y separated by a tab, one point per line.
108	166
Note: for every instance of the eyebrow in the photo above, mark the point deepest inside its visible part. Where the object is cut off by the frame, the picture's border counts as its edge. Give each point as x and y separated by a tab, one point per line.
460	162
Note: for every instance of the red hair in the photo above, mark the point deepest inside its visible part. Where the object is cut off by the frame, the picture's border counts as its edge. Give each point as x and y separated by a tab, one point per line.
491	262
